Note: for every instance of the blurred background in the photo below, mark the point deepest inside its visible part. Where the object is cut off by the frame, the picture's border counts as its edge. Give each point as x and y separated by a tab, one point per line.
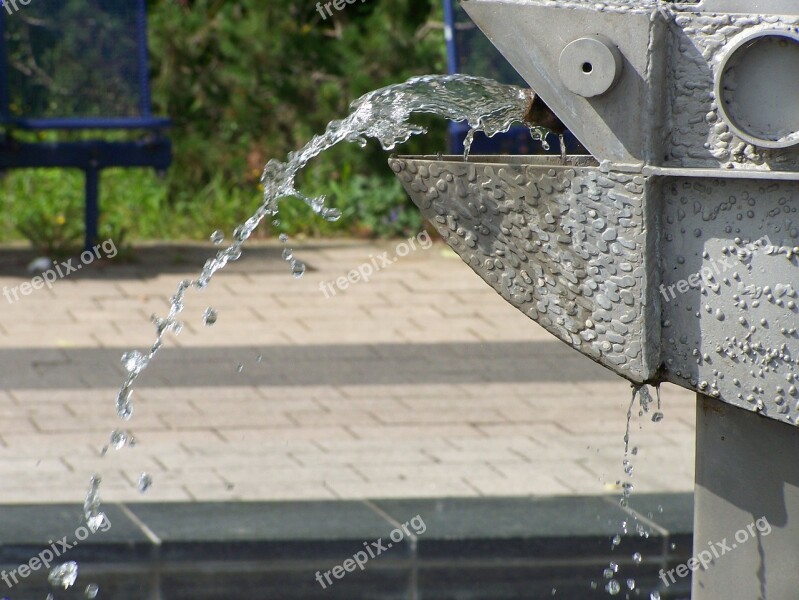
244	82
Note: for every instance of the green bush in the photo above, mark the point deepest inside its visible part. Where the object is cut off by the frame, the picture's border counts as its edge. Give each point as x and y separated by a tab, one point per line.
245	81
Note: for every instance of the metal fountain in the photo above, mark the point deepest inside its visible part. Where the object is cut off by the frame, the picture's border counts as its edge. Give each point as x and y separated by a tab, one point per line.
670	253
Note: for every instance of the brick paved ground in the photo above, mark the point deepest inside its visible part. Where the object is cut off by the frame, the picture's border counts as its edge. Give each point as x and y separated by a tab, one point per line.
422	382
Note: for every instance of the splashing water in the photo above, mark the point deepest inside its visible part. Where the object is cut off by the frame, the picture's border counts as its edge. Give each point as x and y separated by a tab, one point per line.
383	115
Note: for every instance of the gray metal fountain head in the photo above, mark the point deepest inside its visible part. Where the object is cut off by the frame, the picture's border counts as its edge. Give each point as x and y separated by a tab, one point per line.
670	253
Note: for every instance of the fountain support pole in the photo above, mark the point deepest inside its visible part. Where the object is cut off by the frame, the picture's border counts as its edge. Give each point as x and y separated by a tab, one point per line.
746	504
671	253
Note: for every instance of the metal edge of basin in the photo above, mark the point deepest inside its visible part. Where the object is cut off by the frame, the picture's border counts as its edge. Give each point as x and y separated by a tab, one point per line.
566	244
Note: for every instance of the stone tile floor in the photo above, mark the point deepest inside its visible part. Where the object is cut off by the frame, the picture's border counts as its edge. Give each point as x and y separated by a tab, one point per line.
421	382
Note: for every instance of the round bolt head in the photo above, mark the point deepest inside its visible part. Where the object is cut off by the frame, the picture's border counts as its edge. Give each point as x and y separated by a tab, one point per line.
590	66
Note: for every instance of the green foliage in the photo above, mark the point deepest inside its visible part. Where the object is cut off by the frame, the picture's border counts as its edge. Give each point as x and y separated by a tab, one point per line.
250	80
245	81
51	218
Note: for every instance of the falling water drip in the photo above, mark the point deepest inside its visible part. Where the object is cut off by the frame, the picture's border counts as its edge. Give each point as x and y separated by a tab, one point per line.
642	393
118	439
91	506
217	237
563	155
91	591
467	144
145	481
629	419
209	316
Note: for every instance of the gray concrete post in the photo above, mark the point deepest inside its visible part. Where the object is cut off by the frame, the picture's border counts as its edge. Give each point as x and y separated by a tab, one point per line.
746	521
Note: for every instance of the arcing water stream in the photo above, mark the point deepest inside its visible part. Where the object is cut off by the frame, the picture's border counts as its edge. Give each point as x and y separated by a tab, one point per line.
384	115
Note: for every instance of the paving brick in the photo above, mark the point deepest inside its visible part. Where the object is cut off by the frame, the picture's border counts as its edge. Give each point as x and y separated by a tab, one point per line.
285	433
431	417
330	412
394	432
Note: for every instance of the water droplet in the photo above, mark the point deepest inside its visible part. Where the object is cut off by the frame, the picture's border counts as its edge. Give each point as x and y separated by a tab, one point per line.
657	417
615	541
631	584
287	254
331	215
145	481
134	362
297	269
654	596
124	405
637	558
91	591
91	505
239	368
259	358
217	237
209	316
613	587
283	238
63	575
120	438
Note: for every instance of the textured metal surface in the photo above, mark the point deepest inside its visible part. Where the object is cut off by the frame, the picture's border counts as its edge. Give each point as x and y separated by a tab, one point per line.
593	252
697	134
729	292
565	245
664	110
533	34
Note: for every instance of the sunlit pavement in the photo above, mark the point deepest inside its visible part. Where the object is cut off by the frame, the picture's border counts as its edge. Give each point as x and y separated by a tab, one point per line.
421	382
